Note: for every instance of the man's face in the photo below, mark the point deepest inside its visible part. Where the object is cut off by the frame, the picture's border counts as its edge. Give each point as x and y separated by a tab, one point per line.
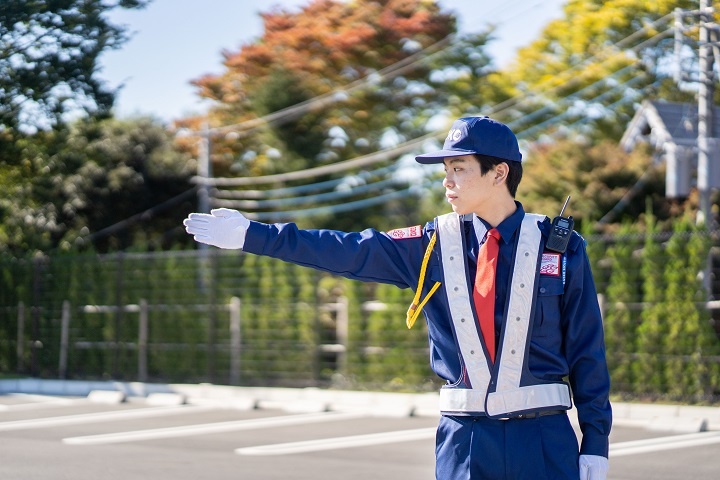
466	188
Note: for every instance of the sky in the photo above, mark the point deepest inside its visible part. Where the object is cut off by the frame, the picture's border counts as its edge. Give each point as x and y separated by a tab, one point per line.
175	41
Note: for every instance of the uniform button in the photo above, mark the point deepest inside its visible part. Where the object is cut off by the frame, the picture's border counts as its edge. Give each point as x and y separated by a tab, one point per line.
527	254
456	289
522	285
462	320
542	290
472	352
517	319
512	351
452	258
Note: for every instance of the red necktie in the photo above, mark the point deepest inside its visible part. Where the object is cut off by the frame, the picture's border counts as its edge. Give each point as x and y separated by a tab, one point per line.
484	291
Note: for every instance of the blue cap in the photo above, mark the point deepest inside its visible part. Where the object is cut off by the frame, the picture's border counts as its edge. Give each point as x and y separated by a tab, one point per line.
476	135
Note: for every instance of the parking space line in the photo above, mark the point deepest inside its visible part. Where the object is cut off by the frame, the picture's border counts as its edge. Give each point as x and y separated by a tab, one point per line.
207	428
99	417
663	443
616	450
340	442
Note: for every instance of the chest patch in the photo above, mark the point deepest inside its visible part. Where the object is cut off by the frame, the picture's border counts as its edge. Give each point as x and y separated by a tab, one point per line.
408	232
550	264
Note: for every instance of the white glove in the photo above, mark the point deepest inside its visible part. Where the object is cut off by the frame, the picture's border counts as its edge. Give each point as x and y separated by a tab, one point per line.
223	228
593	467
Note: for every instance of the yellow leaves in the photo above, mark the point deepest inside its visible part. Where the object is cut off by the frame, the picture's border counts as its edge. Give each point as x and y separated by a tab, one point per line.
594	42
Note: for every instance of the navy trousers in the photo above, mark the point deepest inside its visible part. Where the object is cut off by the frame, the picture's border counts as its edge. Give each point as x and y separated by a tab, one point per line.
479	448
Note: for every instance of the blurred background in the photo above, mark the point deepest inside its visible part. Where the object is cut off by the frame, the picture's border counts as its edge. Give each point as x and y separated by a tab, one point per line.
118	118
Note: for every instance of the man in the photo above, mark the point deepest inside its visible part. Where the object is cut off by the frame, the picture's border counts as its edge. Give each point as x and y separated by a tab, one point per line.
508	318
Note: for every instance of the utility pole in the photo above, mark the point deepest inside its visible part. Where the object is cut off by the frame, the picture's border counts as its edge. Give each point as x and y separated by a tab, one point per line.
708	173
705	110
203	171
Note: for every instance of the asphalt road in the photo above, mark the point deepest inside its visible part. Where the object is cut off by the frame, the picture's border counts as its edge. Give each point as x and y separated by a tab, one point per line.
73	438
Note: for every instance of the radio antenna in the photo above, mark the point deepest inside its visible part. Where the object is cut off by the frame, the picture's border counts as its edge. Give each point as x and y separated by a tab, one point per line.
564	206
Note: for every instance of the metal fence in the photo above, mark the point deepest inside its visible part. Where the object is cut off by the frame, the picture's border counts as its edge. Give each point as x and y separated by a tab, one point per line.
205	316
228	356
230	318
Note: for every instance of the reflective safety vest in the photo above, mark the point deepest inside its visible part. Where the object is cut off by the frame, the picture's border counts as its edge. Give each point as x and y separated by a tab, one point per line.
482	390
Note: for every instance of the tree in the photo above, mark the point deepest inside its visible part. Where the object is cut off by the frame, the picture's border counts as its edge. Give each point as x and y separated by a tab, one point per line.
649	370
600	178
49	64
620	319
99	183
335	81
49	59
588	69
690	333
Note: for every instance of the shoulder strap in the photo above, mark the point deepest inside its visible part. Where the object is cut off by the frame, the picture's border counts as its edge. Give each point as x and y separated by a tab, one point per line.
417	305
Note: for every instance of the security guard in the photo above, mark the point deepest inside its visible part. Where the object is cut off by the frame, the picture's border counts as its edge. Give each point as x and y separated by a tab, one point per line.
509	320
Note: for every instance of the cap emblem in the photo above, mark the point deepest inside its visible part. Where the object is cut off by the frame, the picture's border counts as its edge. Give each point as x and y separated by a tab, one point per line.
454	134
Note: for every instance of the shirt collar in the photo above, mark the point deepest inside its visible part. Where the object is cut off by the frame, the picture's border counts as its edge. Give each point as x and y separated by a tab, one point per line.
510	225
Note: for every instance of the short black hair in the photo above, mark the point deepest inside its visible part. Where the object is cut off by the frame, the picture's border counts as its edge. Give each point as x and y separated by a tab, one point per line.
515	170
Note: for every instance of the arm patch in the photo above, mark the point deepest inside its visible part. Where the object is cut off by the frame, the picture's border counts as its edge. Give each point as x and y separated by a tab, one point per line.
408	232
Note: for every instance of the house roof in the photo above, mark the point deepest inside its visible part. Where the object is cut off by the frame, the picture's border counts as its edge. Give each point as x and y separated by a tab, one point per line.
660	122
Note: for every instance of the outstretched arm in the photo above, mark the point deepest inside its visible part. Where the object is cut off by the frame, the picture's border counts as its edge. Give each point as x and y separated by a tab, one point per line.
370	255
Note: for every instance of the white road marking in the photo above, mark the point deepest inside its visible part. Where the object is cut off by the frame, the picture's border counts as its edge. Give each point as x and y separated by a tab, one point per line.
616	450
207	428
98	417
340	442
663	443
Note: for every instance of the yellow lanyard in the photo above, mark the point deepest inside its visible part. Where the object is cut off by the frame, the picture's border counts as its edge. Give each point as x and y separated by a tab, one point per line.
415	308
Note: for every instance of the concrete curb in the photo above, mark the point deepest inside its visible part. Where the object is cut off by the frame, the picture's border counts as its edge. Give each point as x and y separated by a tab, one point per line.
79	388
676	418
106	396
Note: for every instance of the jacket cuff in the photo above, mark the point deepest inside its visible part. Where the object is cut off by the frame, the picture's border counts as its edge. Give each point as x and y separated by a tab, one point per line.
595	445
256	237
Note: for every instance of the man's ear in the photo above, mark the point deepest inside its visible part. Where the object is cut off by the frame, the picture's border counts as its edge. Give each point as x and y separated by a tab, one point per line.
501	172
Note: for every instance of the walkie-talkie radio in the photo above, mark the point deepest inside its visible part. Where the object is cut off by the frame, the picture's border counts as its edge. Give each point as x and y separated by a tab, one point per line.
561	230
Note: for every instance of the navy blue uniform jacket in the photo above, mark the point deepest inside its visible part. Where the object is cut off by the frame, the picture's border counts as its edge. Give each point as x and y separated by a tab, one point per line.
566	337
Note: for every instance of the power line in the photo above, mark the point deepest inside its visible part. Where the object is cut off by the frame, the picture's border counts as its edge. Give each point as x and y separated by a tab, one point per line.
369	188
507	104
359	204
382	156
338	94
334	209
407	146
540	126
374	157
144	215
300	189
330	196
521	134
390	71
354	163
